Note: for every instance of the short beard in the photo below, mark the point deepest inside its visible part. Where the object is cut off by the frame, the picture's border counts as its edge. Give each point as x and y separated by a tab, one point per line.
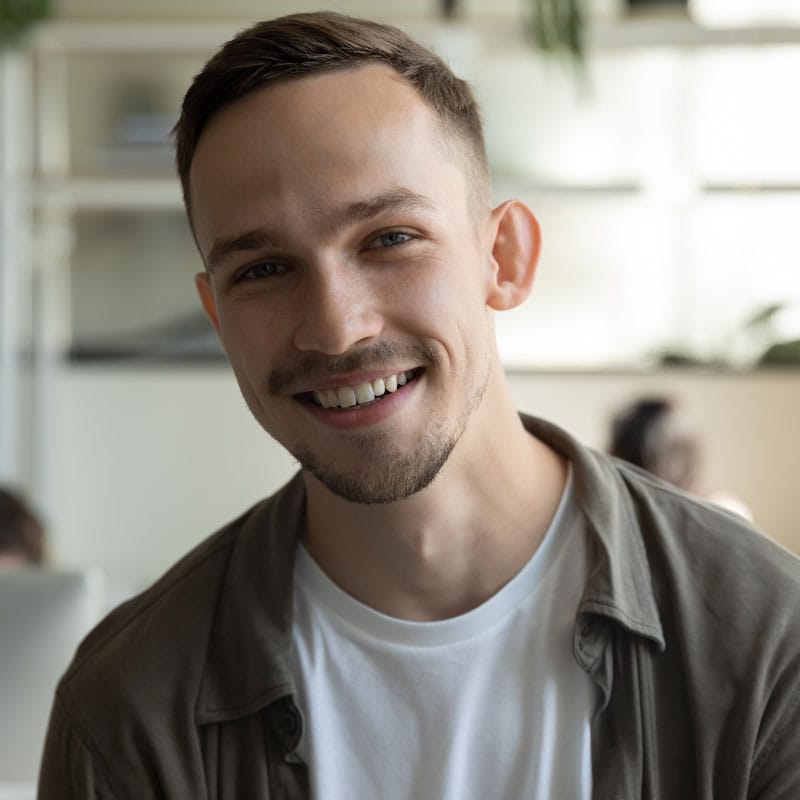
387	475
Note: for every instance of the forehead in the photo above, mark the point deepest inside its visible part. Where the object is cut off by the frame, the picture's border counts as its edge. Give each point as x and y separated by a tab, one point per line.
338	135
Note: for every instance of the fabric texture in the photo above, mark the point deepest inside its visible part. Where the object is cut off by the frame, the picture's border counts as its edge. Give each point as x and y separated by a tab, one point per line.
689	625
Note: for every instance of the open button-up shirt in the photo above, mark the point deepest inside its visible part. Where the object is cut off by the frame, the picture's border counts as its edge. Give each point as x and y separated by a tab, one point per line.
689	624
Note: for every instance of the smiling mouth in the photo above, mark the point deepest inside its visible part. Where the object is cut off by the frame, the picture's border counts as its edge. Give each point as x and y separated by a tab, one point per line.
362	394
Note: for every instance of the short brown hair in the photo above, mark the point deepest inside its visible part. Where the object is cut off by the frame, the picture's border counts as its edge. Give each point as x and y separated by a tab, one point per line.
304	44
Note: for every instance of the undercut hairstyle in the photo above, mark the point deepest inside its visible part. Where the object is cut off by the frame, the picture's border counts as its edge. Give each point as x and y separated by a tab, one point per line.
306	44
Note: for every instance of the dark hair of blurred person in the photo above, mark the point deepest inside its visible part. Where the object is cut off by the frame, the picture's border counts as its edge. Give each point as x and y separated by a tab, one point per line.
651	433
22	536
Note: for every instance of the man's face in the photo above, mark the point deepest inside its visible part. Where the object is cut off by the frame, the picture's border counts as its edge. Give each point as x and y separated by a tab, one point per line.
344	261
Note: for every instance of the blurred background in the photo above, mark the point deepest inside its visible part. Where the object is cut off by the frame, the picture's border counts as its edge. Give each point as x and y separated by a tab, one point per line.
656	141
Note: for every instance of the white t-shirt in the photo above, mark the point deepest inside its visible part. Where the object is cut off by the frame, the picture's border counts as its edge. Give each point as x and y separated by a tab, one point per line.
487	705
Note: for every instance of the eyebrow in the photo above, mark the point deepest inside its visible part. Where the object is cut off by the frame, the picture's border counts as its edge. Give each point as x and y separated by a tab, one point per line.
229	245
394	200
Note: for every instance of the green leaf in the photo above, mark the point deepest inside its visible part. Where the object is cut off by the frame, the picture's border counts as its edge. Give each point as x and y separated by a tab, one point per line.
16	16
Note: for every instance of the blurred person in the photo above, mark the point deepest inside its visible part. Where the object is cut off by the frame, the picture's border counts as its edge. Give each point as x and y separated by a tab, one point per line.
651	434
655	434
22	534
449	599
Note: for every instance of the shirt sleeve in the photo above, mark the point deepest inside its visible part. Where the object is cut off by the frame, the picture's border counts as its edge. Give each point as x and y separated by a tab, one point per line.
68	770
776	771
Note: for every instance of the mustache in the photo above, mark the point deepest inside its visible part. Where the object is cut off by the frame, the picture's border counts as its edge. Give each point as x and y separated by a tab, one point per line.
312	367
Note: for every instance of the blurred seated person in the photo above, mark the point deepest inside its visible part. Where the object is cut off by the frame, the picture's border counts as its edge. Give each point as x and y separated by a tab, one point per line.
22	536
654	434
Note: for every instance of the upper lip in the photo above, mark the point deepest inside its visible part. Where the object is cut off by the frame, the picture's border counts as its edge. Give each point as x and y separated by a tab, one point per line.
352	379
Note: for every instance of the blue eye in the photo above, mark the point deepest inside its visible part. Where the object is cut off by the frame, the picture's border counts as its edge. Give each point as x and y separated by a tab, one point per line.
265	269
390	239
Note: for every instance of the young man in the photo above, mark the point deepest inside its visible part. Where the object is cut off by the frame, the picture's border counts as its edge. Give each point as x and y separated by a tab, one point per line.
448	600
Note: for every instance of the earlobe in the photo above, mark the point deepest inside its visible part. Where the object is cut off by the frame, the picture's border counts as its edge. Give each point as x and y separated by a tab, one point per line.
205	290
515	254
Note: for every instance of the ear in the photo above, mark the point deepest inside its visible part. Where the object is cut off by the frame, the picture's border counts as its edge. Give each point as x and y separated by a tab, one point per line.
205	290
516	244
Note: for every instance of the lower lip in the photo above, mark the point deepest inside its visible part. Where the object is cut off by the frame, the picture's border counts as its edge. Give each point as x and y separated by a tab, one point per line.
364	416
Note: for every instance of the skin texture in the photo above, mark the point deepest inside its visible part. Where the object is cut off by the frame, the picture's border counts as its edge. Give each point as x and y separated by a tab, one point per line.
342	244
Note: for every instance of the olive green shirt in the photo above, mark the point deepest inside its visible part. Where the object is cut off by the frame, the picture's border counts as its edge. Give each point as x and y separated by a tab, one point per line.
689	625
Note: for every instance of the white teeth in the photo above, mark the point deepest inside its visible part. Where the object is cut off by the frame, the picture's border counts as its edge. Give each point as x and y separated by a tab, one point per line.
347	397
366	392
324	398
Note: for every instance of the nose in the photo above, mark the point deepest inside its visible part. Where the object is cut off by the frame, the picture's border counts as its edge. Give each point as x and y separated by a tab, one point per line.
338	310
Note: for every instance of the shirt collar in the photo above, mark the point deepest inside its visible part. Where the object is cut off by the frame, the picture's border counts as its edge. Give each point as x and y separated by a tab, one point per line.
620	582
247	665
247	661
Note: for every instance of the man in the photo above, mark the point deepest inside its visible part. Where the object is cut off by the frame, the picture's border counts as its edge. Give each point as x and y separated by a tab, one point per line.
449	600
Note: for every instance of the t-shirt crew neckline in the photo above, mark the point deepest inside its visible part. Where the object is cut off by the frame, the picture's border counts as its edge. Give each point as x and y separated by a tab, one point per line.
362	620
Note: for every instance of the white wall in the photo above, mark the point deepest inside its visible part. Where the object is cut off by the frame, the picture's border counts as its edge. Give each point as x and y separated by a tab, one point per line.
147	462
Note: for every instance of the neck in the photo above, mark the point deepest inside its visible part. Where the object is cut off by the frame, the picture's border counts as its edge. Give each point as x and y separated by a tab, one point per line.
451	546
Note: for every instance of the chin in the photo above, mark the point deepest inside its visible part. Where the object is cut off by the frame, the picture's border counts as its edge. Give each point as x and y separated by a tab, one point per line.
383	475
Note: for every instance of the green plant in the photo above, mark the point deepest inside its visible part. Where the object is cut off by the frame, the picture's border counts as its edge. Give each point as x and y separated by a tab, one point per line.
16	16
555	26
559	25
783	354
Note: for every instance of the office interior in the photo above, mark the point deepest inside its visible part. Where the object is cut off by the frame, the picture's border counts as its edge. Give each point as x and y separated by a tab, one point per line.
662	162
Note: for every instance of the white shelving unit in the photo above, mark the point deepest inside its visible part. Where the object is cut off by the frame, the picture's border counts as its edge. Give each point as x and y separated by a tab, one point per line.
580	150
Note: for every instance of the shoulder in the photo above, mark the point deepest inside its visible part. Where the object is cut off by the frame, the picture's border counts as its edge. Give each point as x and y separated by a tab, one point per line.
150	652
722	586
128	703
187	582
729	602
705	542
662	552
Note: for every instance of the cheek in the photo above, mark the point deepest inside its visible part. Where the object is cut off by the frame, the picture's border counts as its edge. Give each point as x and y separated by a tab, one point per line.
252	339
455	297
247	326
449	308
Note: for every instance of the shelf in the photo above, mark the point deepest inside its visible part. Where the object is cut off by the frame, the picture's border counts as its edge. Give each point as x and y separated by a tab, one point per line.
672	30
506	31
537	186
174	38
111	193
103	193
